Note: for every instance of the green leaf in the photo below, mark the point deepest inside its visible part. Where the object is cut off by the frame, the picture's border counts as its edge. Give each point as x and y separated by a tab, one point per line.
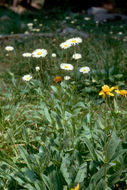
81	173
111	146
25	157
47	115
100	185
54	89
47	182
99	175
29	186
7	160
108	188
39	186
90	147
65	172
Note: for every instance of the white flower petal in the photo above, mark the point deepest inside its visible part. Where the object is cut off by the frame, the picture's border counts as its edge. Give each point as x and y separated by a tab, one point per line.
84	69
27	77
66	66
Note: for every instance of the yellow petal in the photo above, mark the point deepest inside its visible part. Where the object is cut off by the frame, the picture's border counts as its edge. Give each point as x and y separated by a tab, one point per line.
113	88
117	91
110	94
105	88
101	93
104	95
77	187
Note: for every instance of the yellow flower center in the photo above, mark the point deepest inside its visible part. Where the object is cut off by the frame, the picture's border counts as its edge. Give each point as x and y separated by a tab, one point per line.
65	45
66	66
39	53
73	41
84	70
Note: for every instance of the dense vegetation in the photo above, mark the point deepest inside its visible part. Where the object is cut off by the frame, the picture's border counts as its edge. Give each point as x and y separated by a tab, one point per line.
57	133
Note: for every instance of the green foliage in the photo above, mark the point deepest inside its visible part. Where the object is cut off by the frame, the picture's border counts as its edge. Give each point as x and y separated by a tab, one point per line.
57	135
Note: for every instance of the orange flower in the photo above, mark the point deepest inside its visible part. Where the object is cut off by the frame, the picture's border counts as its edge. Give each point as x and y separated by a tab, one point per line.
106	91
57	79
122	92
75	188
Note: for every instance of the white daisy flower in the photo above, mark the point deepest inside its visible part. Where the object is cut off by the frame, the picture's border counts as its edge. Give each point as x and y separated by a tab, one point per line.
26	33
27	77
120	33
67	78
65	45
72	22
84	69
39	53
37	30
53	55
67	17
74	41
87	18
9	48
37	68
111	32
66	66
35	20
26	54
77	56
30	24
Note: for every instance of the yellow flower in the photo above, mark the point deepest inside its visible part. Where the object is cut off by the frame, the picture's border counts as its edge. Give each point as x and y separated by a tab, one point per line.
114	88
57	79
122	92
75	188
106	91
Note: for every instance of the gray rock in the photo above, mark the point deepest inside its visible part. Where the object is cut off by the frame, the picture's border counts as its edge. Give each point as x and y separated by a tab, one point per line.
4	17
70	30
101	15
96	10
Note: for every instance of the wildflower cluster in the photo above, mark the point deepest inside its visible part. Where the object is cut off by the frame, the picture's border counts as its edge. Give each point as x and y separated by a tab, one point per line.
71	42
106	90
68	43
